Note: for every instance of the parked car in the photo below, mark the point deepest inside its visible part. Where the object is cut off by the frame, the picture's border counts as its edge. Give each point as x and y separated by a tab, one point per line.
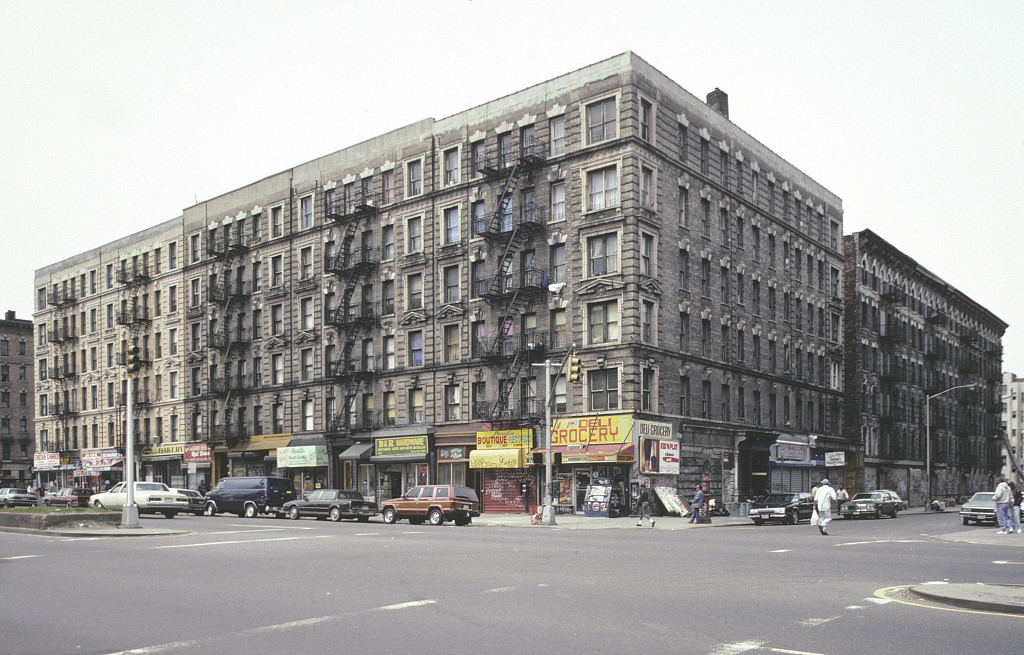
68	497
334	504
150	497
196	501
250	496
981	508
871	503
786	508
12	497
435	503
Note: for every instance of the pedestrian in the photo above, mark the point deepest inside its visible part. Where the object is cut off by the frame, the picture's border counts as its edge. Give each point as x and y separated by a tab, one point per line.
1002	499
842	496
1015	498
645	500
823	498
697	504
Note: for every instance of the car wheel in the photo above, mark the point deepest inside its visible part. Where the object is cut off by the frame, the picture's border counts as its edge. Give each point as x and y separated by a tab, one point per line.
794	518
758	521
211	509
68	505
967	521
293	513
45	502
436	517
363	519
894	511
389	515
97	505
250	511
878	513
335	514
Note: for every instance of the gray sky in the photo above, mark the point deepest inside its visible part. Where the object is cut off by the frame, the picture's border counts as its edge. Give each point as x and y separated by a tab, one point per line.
117	115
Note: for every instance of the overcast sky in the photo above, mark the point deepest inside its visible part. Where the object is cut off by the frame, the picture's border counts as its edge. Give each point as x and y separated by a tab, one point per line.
115	116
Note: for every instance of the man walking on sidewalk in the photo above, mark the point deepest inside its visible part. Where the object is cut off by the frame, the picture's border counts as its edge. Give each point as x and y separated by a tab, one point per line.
1002	501
697	505
823	499
644	502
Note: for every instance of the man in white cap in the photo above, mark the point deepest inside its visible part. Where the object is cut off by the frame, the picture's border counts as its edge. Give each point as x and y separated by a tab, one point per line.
823	498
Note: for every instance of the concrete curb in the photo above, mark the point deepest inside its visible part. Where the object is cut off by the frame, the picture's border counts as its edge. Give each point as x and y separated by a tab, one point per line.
990	598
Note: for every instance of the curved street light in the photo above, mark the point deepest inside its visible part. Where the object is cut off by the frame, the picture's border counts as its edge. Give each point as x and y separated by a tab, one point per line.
928	434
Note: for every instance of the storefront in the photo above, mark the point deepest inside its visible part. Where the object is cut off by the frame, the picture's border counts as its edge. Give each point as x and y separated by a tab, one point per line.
255	456
589	448
356	472
401	460
48	469
99	468
452	446
197	459
163	464
659	463
305	462
501	457
793	465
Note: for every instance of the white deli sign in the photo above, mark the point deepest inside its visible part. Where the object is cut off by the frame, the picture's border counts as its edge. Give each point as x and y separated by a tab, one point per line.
835	459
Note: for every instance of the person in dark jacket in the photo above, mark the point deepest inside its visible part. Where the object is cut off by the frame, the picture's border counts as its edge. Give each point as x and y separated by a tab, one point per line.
644	501
697	505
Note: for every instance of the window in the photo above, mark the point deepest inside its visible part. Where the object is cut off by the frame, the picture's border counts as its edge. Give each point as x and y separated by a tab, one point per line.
277	270
306	313
684	270
306	358
705	338
603	254
755	233
771	250
646	119
414	232
276	319
604	388
387	235
559	332
739	288
705	278
647	187
276	222
194	243
306	211
558	135
684	332
601	121
451	343
387	186
453	403
306	263
196	337
603	320
558	202
755	292
451	225
257	276
277	368
684	198
705	399
740	345
647	255
416	348
771	303
414	177
602	188
414	289
415	405
647	322
389	352
451	166
705	217
172	299
558	263
172	255
451	284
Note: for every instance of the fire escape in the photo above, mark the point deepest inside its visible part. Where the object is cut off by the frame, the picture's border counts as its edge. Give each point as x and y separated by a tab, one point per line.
506	231
133	276
353	262
64	371
230	292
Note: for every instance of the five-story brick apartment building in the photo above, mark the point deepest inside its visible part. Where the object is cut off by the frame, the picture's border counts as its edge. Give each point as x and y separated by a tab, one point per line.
16	406
376	318
914	345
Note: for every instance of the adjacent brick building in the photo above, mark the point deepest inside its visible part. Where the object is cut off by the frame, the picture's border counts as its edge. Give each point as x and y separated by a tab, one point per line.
914	342
375	317
16	406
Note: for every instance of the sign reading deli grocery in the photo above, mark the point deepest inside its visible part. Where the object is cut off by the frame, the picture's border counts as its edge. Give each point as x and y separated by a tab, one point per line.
592	430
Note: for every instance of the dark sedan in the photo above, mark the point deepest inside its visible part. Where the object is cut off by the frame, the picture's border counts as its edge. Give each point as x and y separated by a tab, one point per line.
875	504
68	497
196	501
334	504
785	508
13	497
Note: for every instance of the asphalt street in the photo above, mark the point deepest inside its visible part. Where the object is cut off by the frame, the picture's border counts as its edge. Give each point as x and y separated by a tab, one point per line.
229	585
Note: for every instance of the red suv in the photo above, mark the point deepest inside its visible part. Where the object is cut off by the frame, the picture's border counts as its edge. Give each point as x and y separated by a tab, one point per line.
436	503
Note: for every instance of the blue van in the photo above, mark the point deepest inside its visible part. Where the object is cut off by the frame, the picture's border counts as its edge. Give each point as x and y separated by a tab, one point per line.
250	496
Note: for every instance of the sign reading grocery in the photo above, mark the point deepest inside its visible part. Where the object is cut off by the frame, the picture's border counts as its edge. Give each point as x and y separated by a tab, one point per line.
505	439
594	430
400	446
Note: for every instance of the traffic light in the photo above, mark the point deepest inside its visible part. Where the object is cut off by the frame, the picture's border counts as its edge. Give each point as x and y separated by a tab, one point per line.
575	370
131	360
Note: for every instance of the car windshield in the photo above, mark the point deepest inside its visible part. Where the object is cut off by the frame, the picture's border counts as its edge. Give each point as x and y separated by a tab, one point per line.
779	499
982	496
869	496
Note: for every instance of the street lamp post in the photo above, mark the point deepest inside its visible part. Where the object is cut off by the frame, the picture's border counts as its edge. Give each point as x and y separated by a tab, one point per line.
928	436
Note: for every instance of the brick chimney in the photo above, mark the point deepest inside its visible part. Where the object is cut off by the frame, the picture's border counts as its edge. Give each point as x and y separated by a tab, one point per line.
719	101
10	315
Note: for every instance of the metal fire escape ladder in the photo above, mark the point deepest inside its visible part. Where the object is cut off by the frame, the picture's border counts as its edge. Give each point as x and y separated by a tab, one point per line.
521	358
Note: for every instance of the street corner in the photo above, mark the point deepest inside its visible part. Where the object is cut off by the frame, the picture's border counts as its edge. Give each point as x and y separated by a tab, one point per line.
1004	598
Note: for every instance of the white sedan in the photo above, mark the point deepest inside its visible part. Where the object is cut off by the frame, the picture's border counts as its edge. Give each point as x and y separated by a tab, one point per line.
151	498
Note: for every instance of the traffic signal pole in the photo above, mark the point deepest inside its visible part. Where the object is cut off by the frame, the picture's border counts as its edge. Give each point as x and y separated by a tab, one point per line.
130	513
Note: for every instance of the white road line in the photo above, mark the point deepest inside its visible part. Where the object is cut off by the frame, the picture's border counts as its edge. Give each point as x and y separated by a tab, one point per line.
793	652
20	557
241	541
816	622
498	590
1003	561
367	534
738	647
402	606
882	541
878	601
781	550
